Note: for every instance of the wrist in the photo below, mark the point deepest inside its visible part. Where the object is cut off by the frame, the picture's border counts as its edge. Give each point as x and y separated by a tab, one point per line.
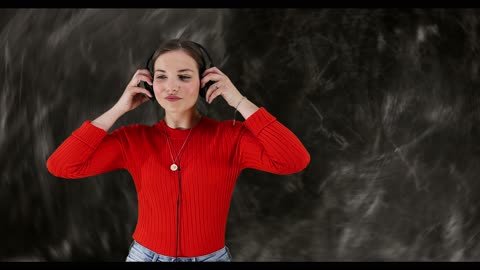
117	110
240	100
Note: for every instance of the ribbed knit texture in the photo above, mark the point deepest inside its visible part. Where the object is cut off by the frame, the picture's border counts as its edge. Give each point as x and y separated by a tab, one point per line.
211	161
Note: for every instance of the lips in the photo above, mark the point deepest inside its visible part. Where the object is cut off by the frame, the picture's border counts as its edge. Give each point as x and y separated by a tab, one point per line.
172	98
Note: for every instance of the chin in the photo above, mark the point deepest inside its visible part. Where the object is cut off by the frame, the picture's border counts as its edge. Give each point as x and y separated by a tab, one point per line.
174	108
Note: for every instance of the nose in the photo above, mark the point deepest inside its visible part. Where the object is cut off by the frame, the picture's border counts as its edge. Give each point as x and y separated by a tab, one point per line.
172	87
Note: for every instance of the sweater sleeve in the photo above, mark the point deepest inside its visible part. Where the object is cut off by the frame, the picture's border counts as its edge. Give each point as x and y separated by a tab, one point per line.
268	145
88	151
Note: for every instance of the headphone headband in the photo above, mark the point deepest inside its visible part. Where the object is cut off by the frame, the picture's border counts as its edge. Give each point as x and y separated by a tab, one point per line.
206	53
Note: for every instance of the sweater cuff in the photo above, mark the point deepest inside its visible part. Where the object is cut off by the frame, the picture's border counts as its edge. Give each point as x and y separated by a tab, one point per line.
259	120
89	134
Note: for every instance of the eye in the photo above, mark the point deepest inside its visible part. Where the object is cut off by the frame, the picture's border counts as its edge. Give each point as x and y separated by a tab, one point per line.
184	78
161	77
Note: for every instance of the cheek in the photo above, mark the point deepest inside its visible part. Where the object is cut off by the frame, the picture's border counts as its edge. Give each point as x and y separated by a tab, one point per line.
190	87
159	87
156	86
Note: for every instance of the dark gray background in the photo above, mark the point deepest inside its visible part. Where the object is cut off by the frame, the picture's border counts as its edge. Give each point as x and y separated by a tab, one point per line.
385	100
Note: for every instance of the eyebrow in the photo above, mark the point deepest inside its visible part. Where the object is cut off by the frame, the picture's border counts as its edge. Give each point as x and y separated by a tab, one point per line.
180	70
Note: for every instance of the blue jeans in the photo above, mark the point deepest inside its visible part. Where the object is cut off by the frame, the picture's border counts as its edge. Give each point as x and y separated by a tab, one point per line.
139	253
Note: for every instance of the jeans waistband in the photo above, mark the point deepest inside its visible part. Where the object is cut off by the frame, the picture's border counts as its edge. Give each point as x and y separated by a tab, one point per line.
141	253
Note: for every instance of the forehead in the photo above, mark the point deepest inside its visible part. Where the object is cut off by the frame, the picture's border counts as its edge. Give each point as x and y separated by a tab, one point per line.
177	59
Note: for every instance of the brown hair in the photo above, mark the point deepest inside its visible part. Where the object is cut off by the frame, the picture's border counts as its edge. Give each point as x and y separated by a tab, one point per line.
191	48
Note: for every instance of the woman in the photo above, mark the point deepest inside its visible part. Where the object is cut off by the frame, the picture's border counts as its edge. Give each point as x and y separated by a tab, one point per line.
185	166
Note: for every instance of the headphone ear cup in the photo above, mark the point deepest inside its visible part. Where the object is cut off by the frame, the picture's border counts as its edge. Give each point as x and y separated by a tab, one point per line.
208	63
145	84
150	89
203	91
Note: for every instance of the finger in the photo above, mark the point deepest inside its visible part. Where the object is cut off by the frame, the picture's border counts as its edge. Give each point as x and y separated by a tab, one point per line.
213	70
213	88
141	77
145	98
210	77
140	98
145	78
209	92
136	89
145	72
141	72
214	94
217	70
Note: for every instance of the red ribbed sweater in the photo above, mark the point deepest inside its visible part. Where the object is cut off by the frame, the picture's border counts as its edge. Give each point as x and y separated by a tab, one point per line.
212	159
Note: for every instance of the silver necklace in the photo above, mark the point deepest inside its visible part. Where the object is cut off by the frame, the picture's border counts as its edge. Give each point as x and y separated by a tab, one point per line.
174	165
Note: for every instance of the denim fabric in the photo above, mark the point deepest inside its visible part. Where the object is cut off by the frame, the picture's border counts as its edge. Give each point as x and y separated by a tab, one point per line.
139	253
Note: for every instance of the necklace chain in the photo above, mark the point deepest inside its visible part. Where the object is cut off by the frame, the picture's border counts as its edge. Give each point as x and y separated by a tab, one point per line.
174	165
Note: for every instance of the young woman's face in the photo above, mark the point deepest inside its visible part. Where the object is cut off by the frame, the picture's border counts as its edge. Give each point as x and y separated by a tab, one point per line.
175	81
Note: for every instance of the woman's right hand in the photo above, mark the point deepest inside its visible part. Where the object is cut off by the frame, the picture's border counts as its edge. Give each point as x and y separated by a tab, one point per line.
134	95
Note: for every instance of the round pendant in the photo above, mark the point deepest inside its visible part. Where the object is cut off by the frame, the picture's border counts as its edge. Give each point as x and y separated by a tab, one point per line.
173	167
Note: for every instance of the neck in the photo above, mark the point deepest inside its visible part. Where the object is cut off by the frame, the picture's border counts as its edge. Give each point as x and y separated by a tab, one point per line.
184	120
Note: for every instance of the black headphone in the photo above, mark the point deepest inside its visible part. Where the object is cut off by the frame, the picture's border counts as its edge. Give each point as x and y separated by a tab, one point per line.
207	60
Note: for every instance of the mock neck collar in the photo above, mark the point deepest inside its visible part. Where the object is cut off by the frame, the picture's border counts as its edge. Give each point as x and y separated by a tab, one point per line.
176	133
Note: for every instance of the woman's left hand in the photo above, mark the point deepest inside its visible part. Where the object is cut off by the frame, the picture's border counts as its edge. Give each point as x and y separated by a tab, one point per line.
221	86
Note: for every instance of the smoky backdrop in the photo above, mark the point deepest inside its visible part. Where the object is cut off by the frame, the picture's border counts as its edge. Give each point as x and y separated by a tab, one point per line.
385	100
